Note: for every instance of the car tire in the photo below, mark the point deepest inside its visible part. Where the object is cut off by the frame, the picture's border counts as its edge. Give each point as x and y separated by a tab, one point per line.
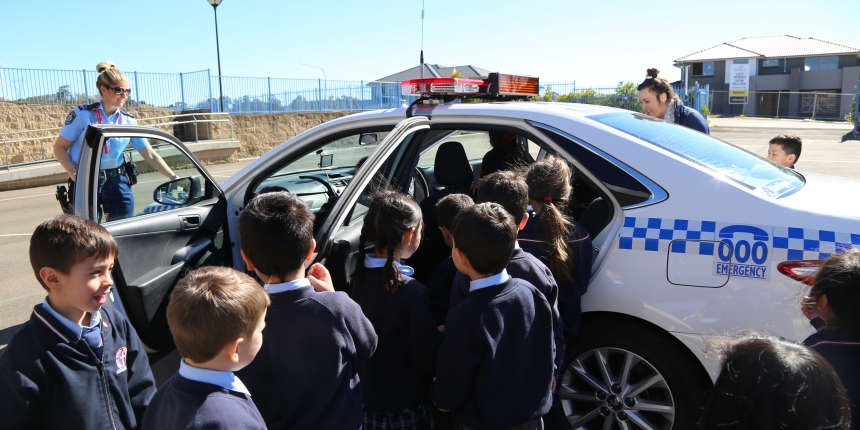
663	389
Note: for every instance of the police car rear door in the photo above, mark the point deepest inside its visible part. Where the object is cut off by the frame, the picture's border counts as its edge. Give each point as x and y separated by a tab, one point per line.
337	239
171	226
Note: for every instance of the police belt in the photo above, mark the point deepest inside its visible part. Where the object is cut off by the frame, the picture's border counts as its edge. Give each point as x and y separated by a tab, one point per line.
112	173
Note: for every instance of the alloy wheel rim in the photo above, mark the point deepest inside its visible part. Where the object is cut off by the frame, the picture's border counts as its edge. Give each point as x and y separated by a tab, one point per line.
612	388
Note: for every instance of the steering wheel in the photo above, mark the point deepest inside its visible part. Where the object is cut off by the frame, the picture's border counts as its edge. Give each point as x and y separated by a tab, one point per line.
330	189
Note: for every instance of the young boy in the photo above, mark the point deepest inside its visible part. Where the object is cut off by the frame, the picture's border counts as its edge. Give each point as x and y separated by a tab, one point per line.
511	192
784	150
495	367
305	377
75	364
439	285
216	315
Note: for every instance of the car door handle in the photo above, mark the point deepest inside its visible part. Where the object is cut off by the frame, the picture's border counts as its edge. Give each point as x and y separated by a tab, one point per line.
190	222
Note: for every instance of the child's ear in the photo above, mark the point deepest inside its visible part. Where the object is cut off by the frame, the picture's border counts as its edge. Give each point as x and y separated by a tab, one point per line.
822	304
51	278
248	262
792	158
523	222
231	350
311	252
409	235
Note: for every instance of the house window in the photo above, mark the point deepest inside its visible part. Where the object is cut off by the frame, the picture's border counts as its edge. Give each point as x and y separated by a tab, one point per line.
770	63
820	63
703	69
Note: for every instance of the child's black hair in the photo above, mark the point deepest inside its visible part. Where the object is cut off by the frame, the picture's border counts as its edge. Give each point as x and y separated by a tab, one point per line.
507	189
389	216
839	280
277	232
549	183
766	382
449	206
486	234
791	144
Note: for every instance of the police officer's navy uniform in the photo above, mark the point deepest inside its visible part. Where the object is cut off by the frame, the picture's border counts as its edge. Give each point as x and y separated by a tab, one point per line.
115	197
55	374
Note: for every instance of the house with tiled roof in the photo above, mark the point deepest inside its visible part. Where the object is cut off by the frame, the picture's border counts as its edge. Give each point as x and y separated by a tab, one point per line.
388	87
789	76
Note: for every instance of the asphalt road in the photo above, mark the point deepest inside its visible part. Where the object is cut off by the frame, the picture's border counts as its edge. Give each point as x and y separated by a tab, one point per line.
22	210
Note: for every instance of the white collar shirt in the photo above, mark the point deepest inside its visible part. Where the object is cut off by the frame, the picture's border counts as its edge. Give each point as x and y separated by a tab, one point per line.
287	286
489	281
222	378
77	329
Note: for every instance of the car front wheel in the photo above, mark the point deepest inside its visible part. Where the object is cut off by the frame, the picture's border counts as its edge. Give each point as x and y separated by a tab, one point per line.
622	376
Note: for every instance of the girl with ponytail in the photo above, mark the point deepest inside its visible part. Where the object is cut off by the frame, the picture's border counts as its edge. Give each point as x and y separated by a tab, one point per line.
562	244
396	379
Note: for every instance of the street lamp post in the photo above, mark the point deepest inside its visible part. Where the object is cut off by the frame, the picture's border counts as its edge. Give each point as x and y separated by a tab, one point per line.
215	4
325	78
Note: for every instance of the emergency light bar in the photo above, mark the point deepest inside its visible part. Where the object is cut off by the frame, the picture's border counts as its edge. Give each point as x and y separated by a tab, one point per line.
496	86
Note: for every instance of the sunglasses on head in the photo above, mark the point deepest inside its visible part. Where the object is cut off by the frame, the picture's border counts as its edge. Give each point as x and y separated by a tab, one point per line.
120	90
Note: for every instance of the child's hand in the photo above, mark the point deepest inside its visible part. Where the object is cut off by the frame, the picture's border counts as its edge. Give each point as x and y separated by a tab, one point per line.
441	329
807	307
319	278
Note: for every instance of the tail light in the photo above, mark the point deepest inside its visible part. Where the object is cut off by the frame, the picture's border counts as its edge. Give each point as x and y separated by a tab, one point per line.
800	270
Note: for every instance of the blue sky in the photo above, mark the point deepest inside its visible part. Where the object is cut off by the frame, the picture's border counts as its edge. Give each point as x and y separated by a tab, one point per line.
593	42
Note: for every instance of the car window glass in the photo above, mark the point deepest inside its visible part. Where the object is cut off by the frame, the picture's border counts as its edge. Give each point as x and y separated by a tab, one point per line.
736	164
138	183
476	144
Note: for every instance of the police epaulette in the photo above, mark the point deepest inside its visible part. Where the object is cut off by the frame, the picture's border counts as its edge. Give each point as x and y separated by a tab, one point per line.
126	113
89	107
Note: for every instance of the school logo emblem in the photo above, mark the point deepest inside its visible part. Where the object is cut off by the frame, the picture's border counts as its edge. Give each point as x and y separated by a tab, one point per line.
70	118
121	359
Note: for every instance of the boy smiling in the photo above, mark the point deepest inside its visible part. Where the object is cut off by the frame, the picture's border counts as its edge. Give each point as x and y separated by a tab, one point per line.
73	355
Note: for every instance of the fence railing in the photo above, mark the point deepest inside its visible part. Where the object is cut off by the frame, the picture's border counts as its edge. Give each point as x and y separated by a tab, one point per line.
827	105
20	149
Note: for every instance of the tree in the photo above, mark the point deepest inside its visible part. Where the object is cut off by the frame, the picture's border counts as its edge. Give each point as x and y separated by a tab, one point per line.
456	74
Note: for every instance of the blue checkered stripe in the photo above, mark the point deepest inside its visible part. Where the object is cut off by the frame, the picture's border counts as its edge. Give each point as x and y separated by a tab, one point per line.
790	243
155	207
655	234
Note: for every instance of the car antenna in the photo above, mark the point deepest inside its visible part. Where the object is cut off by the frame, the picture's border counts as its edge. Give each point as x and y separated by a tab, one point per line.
422	39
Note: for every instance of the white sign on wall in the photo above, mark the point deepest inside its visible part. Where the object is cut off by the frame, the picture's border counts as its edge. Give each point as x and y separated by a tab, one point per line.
739	82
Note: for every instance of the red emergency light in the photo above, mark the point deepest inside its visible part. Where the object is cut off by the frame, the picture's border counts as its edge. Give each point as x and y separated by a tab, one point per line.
496	86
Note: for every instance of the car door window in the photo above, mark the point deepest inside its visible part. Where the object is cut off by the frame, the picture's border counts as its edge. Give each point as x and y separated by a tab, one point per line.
476	144
139	183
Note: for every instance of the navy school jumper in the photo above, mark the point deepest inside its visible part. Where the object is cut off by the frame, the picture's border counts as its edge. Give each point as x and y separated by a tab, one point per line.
305	375
51	379
182	403
495	366
400	373
569	295
529	268
439	288
841	348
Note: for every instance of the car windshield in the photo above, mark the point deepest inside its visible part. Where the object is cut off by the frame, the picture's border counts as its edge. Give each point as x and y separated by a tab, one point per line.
737	164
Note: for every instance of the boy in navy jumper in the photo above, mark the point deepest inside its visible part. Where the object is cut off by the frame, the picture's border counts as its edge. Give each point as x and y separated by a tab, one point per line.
439	285
306	375
75	364
511	192
495	368
216	315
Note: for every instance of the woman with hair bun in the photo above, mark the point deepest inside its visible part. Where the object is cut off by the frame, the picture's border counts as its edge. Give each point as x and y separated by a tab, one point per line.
116	174
660	101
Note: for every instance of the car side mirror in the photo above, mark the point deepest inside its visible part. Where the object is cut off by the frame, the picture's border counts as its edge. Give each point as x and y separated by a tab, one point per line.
368	139
182	191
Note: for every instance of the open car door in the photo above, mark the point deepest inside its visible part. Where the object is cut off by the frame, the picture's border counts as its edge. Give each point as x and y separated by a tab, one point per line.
166	227
389	166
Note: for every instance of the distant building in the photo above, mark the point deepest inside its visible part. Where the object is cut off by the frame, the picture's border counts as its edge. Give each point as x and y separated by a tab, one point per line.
779	65
384	90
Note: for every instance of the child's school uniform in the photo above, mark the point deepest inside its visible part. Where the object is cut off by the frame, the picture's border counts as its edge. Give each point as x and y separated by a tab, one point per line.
305	375
529	268
397	378
50	376
495	366
841	348
202	399
569	295
439	288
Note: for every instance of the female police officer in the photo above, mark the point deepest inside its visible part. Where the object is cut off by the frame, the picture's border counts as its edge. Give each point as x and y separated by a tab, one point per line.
115	198
658	100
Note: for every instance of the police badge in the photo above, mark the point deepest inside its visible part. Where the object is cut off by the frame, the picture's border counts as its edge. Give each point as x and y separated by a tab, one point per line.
70	118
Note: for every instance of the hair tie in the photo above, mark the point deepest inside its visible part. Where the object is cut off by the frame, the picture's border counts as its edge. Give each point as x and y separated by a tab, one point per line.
547	199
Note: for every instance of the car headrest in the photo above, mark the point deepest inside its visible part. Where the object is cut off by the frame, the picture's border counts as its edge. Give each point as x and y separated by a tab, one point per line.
452	165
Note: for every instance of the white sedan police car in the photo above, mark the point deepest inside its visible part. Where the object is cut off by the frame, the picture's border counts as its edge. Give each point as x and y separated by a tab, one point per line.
692	236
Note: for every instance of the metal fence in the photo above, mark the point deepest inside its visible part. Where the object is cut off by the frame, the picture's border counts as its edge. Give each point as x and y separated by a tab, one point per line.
200	91
827	105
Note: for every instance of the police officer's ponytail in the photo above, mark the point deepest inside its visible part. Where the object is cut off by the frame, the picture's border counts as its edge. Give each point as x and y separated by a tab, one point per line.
109	75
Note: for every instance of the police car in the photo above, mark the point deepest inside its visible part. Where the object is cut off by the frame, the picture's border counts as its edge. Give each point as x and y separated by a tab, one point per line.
692	236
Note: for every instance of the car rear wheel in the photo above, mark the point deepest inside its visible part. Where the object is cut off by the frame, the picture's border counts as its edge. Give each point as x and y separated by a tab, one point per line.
621	376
